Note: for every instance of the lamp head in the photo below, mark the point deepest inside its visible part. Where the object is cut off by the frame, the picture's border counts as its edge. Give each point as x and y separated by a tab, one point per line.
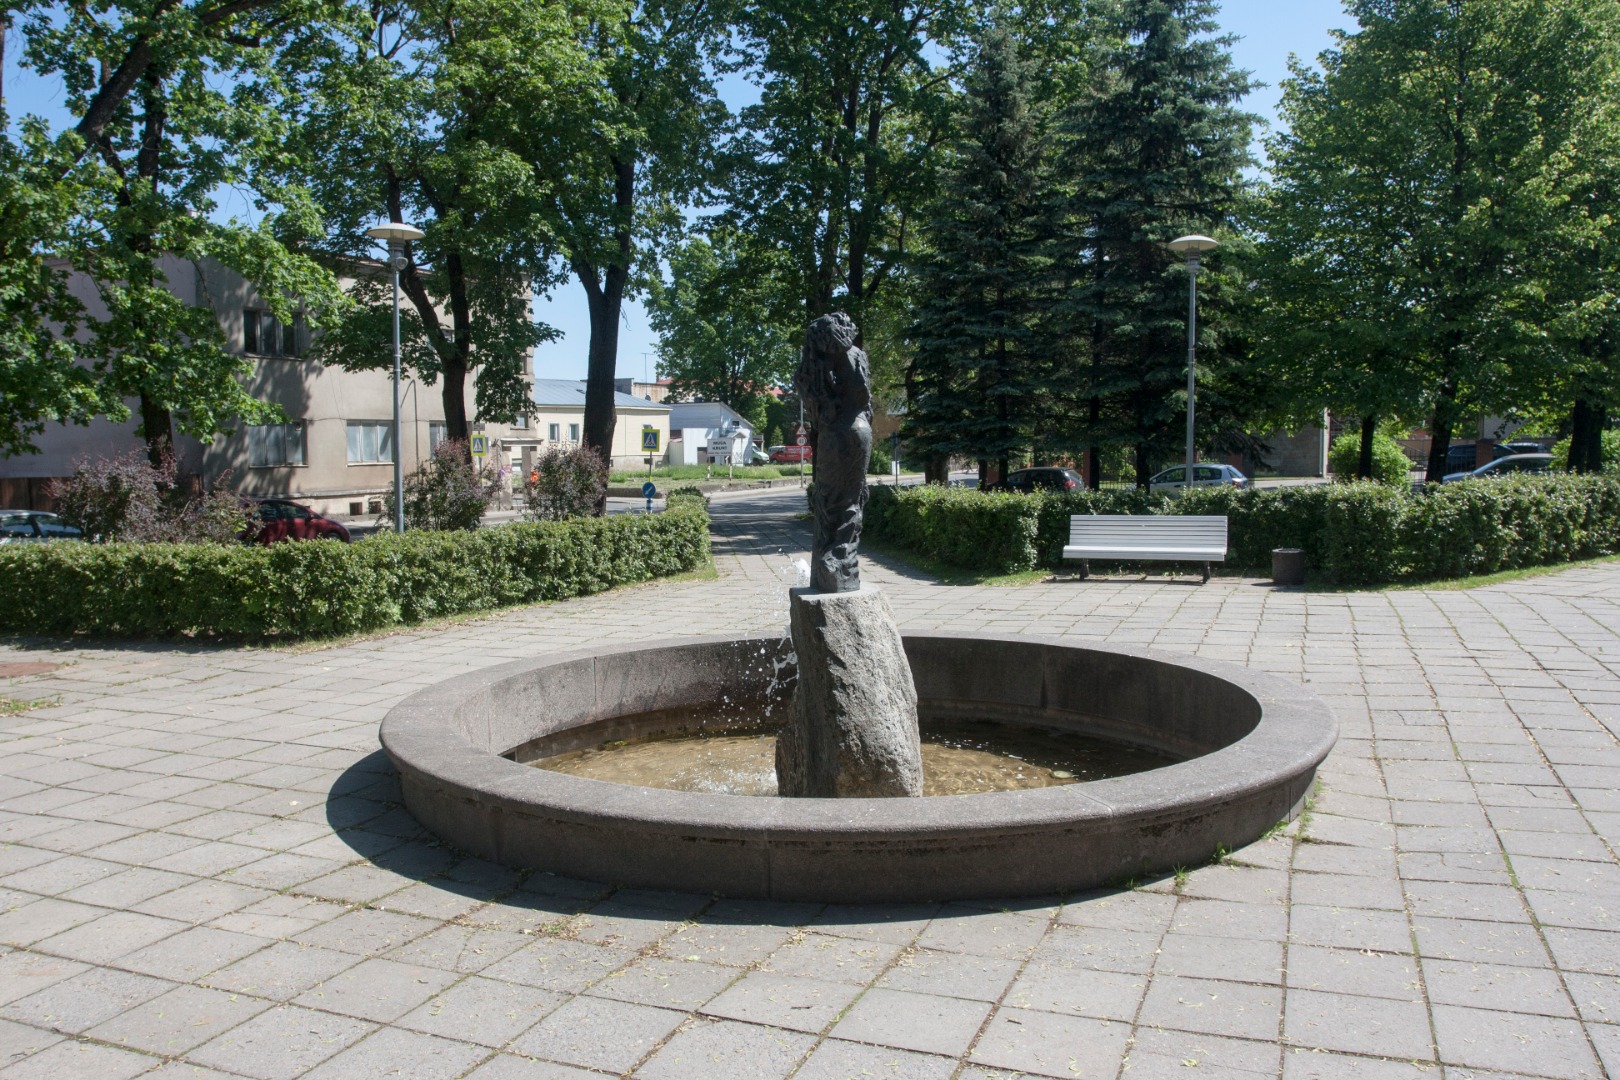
395	232
1192	244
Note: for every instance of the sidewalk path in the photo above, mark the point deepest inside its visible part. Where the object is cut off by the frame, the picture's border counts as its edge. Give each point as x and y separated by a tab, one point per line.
203	872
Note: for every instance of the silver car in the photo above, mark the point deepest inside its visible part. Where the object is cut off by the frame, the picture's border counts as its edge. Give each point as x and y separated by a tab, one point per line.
33	526
1174	479
1512	465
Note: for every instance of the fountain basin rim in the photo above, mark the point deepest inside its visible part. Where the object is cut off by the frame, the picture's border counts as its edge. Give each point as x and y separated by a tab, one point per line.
1291	738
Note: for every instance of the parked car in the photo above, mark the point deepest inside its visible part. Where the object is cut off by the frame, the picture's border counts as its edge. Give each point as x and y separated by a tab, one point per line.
1042	479
790	455
1461	457
279	520
1508	449
1512	465
34	526
758	457
1173	479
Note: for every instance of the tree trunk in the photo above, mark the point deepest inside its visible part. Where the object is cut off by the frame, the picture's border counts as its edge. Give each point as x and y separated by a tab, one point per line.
605	297
157	428
1364	461
936	469
1580	421
1144	470
1445	419
1094	452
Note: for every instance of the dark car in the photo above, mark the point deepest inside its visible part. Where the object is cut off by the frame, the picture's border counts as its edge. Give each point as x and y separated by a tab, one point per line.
279	520
1042	479
34	526
1514	465
1508	449
1461	457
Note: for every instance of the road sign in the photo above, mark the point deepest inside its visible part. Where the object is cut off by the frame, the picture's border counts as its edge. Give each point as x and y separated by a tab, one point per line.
480	446
801	439
649	439
649	490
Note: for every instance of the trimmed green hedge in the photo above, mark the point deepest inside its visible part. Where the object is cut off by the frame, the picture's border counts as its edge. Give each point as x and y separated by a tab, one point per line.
1352	534
321	588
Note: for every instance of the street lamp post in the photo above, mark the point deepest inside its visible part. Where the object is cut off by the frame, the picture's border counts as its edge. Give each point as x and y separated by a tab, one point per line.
1191	246
397	234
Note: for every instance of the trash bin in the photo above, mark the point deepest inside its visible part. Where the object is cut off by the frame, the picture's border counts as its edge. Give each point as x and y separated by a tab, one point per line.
1288	566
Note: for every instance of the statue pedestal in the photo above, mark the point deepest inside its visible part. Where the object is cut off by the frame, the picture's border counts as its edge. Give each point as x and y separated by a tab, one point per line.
853	732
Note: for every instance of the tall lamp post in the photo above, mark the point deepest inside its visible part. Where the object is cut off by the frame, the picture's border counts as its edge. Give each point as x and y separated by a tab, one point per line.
1192	247
398	234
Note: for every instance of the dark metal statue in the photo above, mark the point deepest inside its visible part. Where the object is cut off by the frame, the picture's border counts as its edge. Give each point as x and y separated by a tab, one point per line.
835	384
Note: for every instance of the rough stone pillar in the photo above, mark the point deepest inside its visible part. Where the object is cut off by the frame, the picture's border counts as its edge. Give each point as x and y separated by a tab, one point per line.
853	732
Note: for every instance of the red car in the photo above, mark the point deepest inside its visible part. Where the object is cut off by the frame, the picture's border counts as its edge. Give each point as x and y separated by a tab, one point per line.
283	520
790	455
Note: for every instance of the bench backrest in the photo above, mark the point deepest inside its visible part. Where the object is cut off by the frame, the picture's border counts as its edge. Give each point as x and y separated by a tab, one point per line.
1149	531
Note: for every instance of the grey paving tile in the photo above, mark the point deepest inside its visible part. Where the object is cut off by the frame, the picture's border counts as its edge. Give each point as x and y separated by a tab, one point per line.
672	984
706	1048
393	1053
179	1020
925	1023
1003	935
1375	1026
1300	1064
375	989
19	1041
1182	1053
600	1034
81	1059
24	973
1498	987
1105	995
552	964
512	1067
1237	959
1218	1008
823	956
482	1011
1349	928
282	971
85	1000
835	1060
191	954
1476	941
108	937
281	1043
1222	919
980	978
1045	1044
1513	1042
793	1002
368	931
465	949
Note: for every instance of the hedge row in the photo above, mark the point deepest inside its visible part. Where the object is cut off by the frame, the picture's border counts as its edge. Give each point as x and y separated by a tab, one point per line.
321	588
1352	534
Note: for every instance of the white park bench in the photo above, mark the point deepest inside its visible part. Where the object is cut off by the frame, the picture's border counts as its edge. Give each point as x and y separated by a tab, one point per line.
1164	538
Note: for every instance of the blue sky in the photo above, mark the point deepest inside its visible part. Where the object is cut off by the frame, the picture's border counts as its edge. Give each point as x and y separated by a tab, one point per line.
1268	31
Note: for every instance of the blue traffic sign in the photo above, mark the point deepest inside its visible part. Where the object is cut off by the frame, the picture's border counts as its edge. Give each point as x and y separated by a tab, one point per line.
649	490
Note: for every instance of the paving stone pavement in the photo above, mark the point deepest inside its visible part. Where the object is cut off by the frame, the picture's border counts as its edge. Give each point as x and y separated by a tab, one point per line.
204	871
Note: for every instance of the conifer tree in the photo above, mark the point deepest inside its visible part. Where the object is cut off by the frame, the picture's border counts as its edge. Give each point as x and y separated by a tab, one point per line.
975	376
1156	150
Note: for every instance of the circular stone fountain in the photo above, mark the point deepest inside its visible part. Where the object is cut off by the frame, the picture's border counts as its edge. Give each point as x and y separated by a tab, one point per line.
1249	743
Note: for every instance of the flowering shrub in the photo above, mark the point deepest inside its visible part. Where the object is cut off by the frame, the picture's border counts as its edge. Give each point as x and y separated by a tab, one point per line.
565	484
446	493
129	499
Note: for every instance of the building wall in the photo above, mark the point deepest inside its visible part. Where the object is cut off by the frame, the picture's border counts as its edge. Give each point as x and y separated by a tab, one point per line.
628	422
324	399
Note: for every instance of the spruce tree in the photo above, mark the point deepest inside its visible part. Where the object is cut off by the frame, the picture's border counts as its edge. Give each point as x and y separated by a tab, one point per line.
974	381
1156	150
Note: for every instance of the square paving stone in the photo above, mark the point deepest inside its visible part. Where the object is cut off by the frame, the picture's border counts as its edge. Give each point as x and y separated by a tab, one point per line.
797	1003
368	931
1597	997
1223	919
1100	948
512	1067
31	922
1345	971
922	1022
482	1011
1350	928
716	943
1607	1040
963	975
671	984
1156	1052
1106	995
714	1049
380	990
599	1034
395	1053
109	937
1236	959
281	1043
1316	1065
466	949
1003	935
191	954
1345	891
1480	942
564	966
85	1000
18	1041
71	1058
1496	986
283	971
1114	910
130	888
1219	1008
185	1017
1240	884
1594	951
1359	1025
1046	1044
1514	1042
24	973
898	924
822	956
203	901
834	1060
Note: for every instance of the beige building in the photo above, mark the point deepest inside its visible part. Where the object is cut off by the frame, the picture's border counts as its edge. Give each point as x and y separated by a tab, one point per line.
561	418
336	450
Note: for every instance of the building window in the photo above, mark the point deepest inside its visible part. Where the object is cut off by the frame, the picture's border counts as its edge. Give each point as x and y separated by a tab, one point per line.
573	433
270	445
264	335
438	431
370	441
555	434
520	423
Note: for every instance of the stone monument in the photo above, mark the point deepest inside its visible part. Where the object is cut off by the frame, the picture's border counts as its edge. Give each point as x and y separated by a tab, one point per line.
853	732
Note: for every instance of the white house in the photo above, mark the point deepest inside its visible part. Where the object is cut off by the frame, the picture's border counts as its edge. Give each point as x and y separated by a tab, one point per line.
708	432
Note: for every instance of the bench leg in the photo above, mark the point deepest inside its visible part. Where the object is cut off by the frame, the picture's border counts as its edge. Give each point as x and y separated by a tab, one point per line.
1085	569
1206	574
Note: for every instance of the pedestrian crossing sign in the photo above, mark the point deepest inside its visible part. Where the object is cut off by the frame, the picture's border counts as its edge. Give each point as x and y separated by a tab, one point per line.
649	439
